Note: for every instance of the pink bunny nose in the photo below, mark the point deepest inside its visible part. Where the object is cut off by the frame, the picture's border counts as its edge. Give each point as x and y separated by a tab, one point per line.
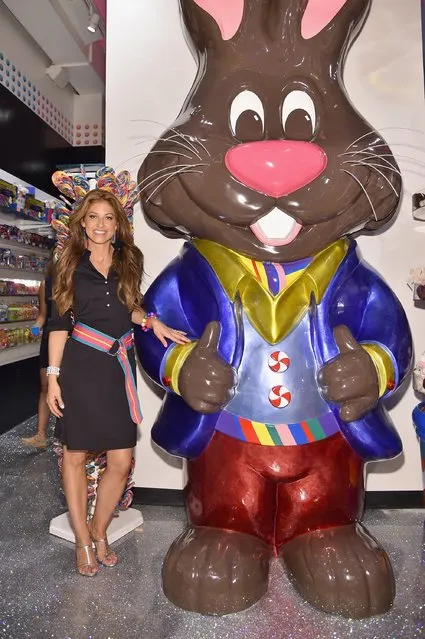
276	167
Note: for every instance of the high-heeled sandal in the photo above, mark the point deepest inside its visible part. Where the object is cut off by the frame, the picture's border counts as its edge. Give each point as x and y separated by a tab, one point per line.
35	442
88	562
110	559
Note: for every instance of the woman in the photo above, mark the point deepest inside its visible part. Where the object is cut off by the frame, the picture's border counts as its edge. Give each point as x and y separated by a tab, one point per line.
39	440
96	298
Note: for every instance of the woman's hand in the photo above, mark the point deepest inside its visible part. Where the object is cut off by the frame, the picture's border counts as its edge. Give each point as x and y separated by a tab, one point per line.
162	332
54	396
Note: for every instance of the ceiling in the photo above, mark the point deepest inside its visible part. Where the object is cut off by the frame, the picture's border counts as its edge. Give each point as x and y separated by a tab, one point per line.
59	27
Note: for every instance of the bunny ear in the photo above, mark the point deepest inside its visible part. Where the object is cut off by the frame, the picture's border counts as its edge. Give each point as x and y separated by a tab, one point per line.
318	14
228	14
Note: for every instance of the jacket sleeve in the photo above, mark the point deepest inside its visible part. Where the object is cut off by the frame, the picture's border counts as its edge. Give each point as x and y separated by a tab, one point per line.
366	304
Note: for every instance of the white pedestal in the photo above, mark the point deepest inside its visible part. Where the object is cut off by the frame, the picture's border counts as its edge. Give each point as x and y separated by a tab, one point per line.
127	521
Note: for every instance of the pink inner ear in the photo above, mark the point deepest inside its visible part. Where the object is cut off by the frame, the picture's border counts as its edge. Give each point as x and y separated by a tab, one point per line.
227	13
318	15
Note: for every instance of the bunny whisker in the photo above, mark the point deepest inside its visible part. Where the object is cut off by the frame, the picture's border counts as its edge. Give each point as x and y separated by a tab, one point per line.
402	158
184	136
172	171
372	147
157	179
145	153
381	166
164	170
388	165
187	139
182	155
133	157
147	139
409	171
374	168
367	162
364	191
168	139
383	156
198	141
169	178
180	143
370	156
385	128
192	141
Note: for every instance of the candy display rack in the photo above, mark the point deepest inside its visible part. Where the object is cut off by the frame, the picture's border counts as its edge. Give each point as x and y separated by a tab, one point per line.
19	286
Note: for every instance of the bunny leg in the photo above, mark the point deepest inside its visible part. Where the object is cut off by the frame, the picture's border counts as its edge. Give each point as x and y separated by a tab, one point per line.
220	564
332	560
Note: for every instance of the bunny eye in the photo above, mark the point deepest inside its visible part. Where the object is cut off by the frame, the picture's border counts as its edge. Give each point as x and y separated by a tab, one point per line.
298	116
247	117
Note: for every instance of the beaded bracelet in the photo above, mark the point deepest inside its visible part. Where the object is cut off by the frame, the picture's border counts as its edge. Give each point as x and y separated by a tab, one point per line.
53	370
144	324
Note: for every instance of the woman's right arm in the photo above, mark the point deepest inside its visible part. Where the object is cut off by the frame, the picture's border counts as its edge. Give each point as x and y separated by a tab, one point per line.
57	341
59	328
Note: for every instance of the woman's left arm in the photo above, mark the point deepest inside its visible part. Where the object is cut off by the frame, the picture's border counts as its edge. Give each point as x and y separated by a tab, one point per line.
161	331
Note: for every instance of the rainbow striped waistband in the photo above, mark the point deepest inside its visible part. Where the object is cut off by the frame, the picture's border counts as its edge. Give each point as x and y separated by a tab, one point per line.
117	348
306	432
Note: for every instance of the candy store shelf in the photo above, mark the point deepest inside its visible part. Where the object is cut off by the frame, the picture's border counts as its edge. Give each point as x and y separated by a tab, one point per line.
17	324
24	296
20	274
18	353
24	222
23	249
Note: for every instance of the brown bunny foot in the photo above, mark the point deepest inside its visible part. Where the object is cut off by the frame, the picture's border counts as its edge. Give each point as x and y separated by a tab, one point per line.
341	570
216	572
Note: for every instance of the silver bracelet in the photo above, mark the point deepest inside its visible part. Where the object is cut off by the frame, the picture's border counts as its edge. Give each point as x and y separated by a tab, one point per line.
53	370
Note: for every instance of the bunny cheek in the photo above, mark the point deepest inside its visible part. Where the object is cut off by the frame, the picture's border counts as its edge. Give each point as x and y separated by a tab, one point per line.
276	168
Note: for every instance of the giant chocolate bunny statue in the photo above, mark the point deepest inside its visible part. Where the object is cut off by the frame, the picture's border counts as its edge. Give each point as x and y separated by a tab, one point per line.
277	403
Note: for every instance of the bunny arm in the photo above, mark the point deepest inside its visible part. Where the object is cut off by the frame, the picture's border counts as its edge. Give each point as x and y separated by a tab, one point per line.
186	296
361	300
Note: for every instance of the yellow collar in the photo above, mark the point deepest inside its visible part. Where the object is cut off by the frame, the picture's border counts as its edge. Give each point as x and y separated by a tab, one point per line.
273	317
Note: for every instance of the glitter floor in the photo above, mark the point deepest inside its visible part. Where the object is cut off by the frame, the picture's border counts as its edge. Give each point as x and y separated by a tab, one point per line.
42	596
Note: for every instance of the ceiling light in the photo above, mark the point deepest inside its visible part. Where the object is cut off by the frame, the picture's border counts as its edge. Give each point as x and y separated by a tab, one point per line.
94	22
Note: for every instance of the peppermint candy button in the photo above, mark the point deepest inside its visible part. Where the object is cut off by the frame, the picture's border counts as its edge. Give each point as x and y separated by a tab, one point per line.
278	362
279	396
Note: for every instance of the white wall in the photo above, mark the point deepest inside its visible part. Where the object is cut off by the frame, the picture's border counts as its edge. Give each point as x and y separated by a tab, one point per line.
149	72
384	78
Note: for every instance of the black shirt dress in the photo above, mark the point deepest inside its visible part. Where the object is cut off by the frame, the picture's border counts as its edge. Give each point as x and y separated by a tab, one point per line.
96	416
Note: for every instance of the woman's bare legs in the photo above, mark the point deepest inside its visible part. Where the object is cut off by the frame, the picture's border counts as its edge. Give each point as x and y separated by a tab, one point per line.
75	486
39	440
109	491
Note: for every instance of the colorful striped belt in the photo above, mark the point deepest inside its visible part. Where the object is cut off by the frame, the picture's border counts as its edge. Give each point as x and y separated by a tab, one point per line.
117	348
306	432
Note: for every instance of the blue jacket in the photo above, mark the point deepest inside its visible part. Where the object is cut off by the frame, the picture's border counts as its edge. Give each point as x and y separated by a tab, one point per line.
188	294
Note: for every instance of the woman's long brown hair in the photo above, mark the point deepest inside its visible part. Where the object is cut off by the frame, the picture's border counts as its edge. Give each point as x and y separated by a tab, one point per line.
127	260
